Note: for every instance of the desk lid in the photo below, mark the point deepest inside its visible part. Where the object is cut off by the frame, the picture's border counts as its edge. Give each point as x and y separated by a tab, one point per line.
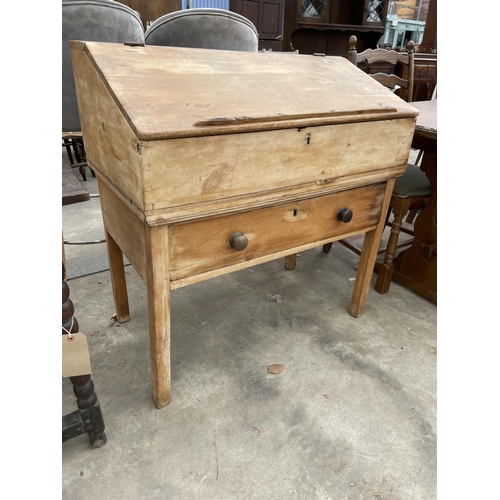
170	92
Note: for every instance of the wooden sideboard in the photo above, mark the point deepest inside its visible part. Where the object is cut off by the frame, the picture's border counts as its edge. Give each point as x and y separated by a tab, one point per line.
325	27
150	10
425	76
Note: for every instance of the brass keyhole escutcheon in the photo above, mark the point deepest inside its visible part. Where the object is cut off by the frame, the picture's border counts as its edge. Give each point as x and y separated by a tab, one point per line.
238	241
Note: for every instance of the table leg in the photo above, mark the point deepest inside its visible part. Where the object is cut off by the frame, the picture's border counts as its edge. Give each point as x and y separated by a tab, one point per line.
368	257
118	281
158	289
290	262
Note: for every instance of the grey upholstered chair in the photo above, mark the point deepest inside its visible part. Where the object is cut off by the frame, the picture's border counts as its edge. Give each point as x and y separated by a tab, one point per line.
94	21
205	29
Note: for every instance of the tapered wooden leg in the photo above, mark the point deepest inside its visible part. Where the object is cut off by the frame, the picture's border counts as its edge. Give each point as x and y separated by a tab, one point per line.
367	259
158	285
290	262
327	247
386	268
118	281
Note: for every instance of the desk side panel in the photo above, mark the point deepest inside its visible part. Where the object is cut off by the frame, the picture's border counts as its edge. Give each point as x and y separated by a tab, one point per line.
190	171
125	226
111	146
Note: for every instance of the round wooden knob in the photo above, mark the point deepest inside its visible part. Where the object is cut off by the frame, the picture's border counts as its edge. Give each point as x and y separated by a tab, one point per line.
344	215
238	241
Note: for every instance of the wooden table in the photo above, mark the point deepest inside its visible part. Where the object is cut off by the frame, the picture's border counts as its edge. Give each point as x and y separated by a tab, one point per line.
212	161
416	267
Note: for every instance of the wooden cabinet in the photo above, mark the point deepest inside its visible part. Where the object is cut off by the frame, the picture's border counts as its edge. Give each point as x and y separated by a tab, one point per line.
325	26
425	76
342	12
268	18
150	10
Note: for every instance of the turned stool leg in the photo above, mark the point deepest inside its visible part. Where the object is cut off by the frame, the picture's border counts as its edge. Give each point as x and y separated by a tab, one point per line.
78	157
89	409
385	270
88	418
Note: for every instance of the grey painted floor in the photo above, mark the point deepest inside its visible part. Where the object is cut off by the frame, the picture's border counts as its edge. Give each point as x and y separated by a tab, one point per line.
352	415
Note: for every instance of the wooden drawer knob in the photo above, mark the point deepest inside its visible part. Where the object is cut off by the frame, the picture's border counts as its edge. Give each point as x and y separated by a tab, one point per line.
238	241
344	215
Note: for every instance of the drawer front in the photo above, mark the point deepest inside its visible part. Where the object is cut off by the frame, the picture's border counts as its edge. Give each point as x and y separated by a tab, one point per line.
202	246
420	71
195	170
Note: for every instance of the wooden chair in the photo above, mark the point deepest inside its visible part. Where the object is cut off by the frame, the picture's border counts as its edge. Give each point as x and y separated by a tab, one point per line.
401	64
411	190
204	28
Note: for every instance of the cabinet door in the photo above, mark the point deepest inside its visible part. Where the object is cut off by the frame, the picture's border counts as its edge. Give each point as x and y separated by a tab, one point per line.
266	15
374	12
313	11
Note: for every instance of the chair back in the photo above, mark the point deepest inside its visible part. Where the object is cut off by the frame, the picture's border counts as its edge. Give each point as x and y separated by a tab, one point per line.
393	58
204	28
93	21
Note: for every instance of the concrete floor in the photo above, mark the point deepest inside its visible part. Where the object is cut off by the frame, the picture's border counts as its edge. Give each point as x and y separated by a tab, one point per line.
352	415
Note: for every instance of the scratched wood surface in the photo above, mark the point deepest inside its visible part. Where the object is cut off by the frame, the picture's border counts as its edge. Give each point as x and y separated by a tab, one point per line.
189	177
176	92
205	169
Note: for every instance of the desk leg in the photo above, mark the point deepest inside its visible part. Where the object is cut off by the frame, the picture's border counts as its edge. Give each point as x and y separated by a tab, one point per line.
368	257
158	286
118	281
290	262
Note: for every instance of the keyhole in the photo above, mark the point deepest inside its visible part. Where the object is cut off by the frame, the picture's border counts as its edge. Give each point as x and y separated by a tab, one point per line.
295	212
308	139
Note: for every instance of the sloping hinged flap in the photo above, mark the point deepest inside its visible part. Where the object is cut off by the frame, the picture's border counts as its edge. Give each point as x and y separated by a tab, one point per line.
170	92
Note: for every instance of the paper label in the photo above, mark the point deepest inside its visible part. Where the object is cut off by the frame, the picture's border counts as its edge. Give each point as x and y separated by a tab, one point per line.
75	355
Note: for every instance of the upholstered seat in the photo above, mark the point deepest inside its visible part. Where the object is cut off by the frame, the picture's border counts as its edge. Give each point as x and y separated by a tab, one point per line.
204	28
412	183
95	21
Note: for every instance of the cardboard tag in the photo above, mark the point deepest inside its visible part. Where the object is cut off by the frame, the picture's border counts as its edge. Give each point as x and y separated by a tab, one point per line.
75	355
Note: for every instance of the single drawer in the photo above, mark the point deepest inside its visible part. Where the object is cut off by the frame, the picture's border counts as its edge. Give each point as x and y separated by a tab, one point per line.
420	71
202	246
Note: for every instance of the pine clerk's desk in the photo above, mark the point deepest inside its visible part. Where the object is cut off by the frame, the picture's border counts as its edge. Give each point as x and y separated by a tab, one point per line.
212	161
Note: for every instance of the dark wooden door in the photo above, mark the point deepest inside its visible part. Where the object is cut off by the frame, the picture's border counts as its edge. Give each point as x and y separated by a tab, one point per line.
267	15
